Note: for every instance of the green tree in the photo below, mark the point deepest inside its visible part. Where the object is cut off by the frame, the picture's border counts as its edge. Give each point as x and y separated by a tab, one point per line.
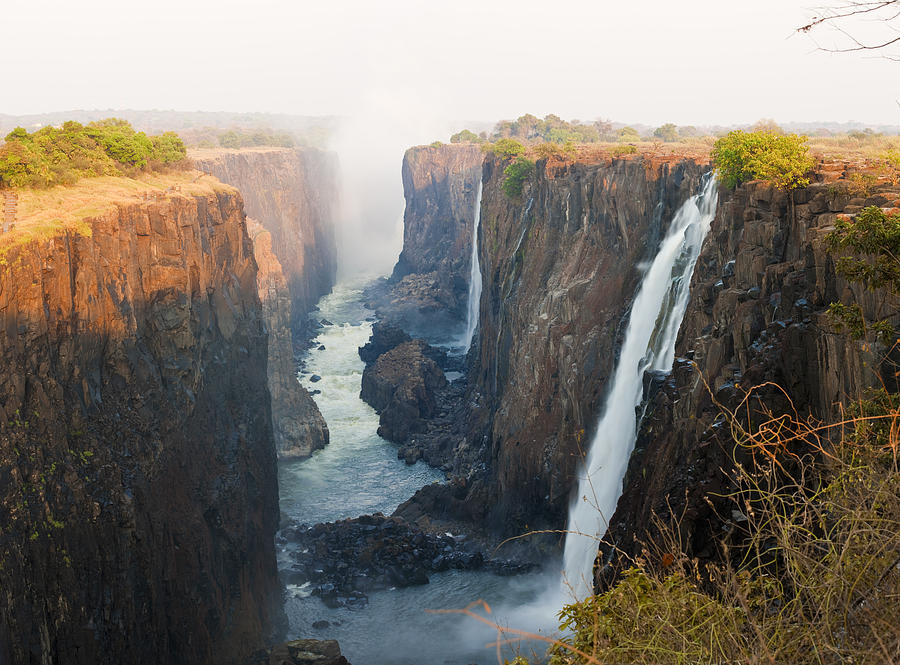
466	136
505	148
627	135
516	175
667	132
781	159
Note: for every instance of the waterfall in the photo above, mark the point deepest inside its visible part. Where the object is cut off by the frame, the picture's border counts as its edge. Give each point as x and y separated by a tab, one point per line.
474	277
653	325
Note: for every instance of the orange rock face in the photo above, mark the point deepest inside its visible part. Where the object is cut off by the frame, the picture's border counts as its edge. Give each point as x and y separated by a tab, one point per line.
138	490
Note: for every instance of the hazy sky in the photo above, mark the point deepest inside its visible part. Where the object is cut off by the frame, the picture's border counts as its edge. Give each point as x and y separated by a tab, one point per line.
688	62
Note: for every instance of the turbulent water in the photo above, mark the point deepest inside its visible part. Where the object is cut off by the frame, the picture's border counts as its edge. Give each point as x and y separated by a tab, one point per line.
649	344
347	478
359	473
474	278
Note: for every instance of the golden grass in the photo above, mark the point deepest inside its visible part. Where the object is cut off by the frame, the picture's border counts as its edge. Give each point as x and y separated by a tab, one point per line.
44	213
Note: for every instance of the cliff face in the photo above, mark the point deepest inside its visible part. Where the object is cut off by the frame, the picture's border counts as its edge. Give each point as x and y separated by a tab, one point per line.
432	274
138	488
298	426
757	314
560	266
293	193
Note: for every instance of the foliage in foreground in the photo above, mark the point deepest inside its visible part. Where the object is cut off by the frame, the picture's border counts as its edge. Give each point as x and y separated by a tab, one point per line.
781	159
62	155
818	575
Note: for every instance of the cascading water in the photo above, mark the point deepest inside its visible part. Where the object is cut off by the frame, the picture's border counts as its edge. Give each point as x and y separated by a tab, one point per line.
474	277
649	345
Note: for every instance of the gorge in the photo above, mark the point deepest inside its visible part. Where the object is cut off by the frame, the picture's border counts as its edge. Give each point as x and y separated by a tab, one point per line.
183	364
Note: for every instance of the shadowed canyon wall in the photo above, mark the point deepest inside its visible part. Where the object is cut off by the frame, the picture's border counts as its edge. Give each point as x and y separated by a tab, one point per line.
757	314
298	426
293	193
430	281
560	265
138	487
292	196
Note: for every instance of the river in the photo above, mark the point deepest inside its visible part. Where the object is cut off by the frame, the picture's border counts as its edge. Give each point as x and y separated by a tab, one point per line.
359	473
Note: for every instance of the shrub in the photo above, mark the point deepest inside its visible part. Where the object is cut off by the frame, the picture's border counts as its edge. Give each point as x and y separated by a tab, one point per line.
781	159
626	149
550	150
516	174
815	579
505	148
871	247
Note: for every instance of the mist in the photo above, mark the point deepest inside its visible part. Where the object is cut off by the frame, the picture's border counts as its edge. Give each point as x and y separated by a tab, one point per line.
370	145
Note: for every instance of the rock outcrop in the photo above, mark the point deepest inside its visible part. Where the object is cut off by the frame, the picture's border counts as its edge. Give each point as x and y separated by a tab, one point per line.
757	314
298	426
430	282
138	487
400	385
292	195
300	652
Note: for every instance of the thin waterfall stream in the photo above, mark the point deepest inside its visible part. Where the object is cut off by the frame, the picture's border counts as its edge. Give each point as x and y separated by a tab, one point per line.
649	345
474	277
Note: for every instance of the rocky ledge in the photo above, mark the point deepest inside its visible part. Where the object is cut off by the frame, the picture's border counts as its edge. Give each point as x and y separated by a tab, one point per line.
300	652
343	561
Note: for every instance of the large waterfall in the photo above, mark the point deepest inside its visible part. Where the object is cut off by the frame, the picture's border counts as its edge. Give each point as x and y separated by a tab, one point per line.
474	277
649	345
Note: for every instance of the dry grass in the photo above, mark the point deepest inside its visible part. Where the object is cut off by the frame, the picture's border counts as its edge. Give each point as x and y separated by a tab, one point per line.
44	213
811	558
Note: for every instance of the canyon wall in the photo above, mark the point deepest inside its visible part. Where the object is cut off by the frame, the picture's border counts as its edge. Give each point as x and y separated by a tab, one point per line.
430	281
560	265
298	426
757	314
292	196
138	487
293	193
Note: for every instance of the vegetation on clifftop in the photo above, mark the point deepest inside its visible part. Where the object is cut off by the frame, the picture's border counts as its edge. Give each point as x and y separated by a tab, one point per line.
63	155
782	159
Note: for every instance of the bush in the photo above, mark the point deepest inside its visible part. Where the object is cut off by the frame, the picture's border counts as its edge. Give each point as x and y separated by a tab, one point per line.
516	175
551	150
871	247
62	155
466	136
505	148
781	159
237	138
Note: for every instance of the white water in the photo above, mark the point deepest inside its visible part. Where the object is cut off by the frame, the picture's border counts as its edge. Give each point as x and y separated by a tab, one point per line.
359	473
653	326
474	277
